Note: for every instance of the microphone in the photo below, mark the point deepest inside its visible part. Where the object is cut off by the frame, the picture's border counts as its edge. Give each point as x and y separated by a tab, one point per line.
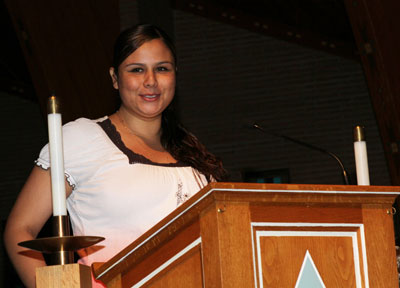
304	144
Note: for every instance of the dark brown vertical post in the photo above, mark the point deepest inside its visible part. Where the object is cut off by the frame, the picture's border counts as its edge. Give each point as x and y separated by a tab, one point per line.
376	27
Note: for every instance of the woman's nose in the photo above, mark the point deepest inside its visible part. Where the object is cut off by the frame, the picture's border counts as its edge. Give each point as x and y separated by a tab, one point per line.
150	79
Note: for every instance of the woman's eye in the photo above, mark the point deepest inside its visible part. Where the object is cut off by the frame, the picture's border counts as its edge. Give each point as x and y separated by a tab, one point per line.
162	69
137	70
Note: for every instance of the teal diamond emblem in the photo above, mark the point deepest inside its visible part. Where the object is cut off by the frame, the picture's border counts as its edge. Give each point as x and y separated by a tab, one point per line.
309	276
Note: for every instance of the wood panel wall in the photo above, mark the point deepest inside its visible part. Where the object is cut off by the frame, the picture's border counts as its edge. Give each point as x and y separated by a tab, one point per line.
68	49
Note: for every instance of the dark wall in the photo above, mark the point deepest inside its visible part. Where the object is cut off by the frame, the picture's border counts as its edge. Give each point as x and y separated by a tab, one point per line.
229	77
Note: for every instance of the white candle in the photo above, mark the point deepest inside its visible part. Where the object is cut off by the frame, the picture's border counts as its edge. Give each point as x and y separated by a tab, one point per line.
361	158
56	160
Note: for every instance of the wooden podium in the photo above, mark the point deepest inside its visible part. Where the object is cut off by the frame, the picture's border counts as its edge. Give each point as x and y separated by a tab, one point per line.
266	235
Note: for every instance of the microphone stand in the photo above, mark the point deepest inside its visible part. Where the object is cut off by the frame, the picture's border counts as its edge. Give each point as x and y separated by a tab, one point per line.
344	172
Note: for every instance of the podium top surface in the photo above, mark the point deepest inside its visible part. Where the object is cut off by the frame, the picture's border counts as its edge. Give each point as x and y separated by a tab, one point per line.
253	193
301	188
297	193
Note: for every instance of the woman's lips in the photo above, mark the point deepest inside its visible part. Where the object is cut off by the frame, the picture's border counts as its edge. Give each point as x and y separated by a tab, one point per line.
150	97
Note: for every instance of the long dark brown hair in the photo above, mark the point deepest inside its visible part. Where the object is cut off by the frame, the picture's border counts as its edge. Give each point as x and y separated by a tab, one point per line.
179	142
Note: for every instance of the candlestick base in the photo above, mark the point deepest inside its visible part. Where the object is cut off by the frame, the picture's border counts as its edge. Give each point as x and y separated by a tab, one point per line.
63	243
62	246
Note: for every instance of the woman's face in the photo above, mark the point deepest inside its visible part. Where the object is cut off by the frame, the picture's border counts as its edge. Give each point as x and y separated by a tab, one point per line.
146	80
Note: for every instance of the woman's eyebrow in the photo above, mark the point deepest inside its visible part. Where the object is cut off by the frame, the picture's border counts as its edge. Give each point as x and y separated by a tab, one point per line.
142	64
134	64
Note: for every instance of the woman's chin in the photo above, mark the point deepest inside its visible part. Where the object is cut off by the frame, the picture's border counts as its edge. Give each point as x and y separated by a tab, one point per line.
151	114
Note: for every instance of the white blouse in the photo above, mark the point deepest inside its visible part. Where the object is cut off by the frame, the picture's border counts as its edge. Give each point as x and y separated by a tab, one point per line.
116	194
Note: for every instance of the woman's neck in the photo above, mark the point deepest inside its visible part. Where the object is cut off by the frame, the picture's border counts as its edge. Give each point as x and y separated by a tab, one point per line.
149	130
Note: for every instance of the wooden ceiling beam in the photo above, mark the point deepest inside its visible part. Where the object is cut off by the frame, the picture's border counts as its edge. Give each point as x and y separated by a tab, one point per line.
267	27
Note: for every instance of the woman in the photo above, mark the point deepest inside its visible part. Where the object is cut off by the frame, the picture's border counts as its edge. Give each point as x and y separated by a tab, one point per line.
125	172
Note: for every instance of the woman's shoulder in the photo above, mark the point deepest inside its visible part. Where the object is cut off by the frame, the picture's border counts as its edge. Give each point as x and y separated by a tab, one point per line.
84	123
82	139
83	132
83	127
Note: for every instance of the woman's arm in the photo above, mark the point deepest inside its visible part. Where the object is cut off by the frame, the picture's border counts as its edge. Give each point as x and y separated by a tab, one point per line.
30	212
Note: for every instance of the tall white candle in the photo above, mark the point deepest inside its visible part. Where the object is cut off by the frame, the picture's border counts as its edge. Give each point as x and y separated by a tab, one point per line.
361	158
56	159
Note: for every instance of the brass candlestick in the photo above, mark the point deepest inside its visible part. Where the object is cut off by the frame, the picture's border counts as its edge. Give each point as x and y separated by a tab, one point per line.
62	246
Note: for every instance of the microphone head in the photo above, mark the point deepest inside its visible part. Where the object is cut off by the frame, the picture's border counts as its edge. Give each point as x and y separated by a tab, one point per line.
251	125
257	126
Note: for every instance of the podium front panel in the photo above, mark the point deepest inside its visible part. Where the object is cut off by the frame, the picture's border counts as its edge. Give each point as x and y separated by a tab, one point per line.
327	255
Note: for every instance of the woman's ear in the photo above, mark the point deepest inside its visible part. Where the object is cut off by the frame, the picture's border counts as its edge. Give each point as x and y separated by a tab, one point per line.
114	77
